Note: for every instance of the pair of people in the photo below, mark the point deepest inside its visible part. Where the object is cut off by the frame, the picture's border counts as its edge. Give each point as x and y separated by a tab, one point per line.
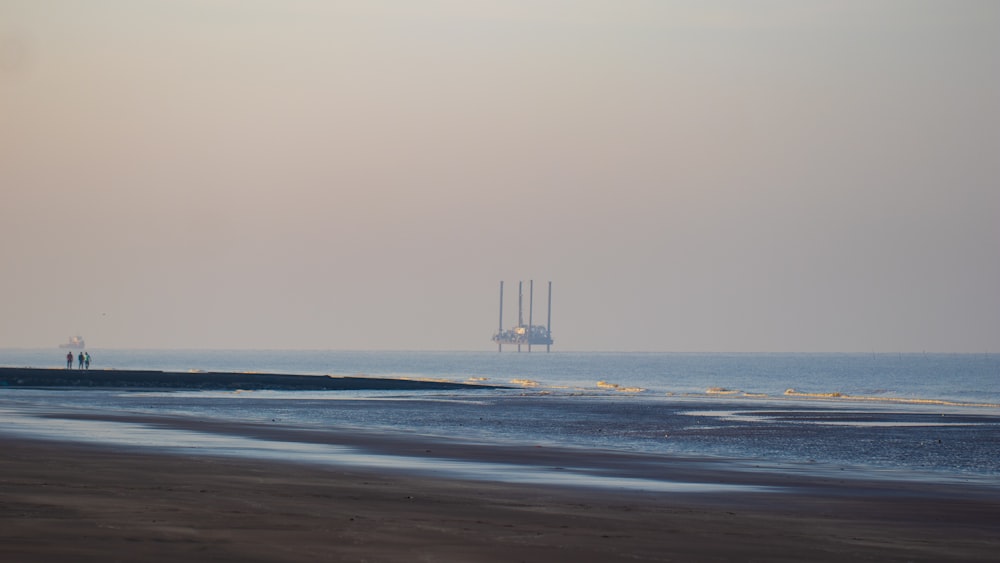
84	359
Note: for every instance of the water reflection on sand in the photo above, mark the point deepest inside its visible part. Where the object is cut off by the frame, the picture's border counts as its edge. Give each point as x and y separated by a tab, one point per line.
181	441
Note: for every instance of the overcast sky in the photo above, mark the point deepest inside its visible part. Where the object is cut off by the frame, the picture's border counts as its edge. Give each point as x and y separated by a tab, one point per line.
691	176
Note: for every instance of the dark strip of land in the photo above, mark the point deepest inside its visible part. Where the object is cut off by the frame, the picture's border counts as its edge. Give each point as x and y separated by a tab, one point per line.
213	380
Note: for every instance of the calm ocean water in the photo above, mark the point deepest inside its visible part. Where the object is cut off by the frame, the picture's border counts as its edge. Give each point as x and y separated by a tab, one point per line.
922	413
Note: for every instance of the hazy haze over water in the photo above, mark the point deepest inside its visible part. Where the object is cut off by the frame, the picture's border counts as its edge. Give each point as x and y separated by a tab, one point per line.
767	176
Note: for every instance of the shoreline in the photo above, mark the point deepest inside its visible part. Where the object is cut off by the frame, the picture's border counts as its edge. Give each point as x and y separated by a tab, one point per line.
215	380
66	500
86	483
472	459
63	501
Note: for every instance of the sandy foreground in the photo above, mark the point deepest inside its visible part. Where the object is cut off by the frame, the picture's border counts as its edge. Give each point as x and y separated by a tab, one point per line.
72	502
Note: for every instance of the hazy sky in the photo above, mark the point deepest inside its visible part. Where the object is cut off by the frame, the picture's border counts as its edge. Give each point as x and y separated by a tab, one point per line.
691	176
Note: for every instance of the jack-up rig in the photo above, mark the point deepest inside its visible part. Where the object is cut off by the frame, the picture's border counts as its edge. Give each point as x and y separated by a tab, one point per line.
525	334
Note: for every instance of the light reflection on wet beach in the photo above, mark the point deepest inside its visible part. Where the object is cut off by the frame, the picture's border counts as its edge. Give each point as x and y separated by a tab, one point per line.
936	441
179	441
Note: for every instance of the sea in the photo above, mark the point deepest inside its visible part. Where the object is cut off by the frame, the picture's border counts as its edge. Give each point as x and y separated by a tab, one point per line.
920	416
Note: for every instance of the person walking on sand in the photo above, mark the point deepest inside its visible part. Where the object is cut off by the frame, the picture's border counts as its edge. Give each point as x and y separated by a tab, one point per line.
86	359
80	358
69	360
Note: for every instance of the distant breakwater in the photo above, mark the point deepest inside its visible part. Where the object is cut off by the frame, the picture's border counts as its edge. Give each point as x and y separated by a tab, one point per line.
213	380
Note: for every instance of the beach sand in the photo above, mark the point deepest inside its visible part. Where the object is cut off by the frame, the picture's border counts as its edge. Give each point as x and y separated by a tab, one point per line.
72	502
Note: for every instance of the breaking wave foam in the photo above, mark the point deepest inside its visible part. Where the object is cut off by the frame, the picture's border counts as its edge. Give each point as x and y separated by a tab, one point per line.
617	387
900	400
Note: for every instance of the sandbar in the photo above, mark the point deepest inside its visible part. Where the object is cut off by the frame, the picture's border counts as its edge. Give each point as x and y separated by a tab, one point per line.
214	380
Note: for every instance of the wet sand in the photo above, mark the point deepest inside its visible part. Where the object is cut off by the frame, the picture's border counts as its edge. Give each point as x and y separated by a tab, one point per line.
71	502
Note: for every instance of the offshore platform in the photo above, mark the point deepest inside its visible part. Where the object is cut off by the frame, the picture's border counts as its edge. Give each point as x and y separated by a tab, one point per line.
525	334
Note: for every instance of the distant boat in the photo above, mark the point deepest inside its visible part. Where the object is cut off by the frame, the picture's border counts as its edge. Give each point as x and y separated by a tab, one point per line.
74	342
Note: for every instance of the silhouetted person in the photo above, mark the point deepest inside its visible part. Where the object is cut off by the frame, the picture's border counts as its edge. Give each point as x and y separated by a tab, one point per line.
86	359
80	365
69	360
